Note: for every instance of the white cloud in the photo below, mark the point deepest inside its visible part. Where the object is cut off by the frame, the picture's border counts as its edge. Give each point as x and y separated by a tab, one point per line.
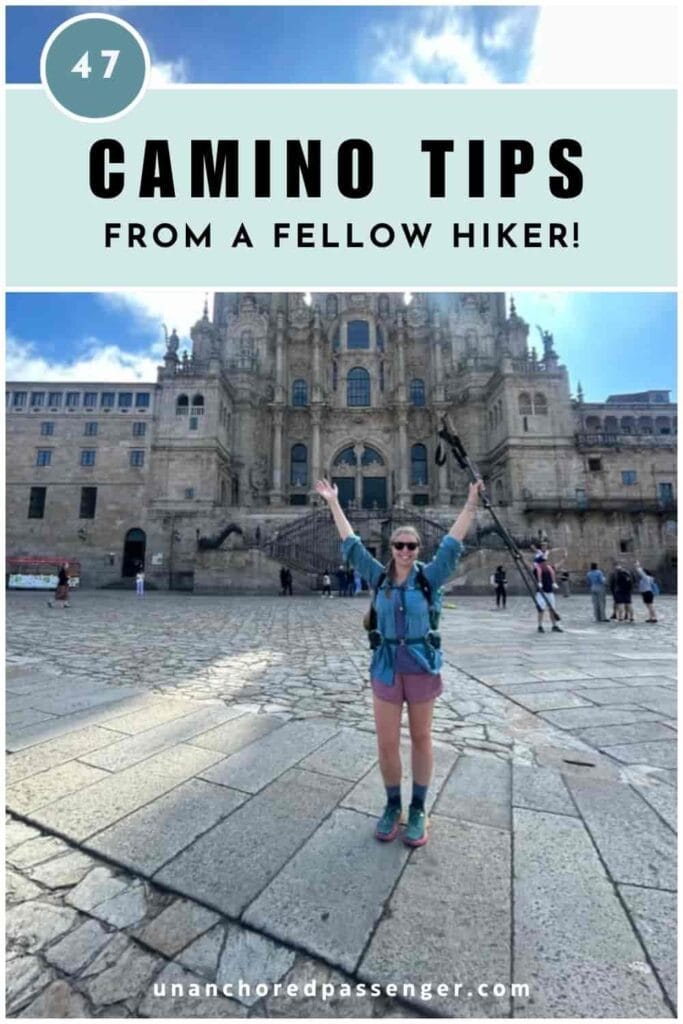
151	309
168	73
443	48
617	46
99	362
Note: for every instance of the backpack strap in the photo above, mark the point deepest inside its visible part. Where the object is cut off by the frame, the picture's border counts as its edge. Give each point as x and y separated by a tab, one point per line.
424	583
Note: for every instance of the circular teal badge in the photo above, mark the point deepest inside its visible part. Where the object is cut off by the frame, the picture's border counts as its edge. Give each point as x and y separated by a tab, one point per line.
95	67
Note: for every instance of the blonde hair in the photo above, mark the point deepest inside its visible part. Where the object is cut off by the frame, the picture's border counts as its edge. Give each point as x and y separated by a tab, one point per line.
397	532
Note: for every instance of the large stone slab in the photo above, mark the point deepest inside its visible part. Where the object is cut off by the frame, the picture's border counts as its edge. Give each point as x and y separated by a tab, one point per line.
17	719
67	869
234	735
448	921
228	866
155	711
348	755
151	836
634	843
46	755
82	814
654	915
660	753
610	735
88	697
369	795
176	927
19	739
134	749
583	718
253	960
544	701
652	698
479	790
573	944
664	799
78	947
46	787
540	789
262	761
328	898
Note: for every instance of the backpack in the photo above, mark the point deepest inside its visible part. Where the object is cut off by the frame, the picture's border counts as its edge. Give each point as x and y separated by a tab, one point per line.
655	587
434	599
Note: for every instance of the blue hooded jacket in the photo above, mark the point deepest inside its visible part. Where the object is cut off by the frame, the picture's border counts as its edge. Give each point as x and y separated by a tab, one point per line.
437	571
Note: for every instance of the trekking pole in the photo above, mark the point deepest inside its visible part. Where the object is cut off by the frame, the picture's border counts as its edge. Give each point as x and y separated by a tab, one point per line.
448	435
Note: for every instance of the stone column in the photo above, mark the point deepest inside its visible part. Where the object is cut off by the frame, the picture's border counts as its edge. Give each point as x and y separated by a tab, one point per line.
280	357
317	391
315	468
403	496
401	358
276	495
358	449
437	359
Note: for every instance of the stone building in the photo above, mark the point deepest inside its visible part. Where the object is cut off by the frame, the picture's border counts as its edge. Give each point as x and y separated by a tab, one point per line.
206	473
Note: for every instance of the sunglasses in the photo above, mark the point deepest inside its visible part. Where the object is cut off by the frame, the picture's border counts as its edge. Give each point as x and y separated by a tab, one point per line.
401	544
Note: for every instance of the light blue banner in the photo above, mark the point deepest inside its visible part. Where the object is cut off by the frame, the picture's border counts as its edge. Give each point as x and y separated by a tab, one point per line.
620	231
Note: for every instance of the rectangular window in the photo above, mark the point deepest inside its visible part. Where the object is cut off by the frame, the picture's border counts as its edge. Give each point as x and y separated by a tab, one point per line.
90	399
54	399
36	503
37	399
125	399
19	399
142	400
73	399
88	456
629	477
47	428
625	546
90	429
298	499
194	422
420	499
43	457
137	457
358	334
88	503
595	465
666	493
107	399
139	429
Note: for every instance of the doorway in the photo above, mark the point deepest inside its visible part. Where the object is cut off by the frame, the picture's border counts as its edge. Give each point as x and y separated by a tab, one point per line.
133	552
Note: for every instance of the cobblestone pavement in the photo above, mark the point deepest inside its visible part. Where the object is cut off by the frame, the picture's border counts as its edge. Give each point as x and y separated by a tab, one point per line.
191	785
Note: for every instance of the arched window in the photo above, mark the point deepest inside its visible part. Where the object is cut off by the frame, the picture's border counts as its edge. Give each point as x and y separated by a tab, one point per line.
358	334
299	470
524	404
593	423
418	465
645	425
611	425
540	404
198	400
371	457
662	425
346	458
417	391
182	405
358	387
299	393
628	425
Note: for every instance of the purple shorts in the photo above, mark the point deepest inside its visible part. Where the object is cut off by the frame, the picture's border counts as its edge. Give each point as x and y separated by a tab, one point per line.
412	688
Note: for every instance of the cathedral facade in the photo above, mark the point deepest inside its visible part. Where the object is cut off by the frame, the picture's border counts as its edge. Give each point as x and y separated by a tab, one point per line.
281	389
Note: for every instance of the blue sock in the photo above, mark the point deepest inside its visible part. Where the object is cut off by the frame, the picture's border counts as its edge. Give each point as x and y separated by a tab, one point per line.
419	795
394	796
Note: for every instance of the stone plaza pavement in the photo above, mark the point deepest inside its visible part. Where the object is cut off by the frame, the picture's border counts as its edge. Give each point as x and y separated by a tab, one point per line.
191	790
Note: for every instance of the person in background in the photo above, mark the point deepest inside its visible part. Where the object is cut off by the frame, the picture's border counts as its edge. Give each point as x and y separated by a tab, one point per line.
621	586
327	584
341	580
647	588
500	582
595	579
564	583
62	589
140	582
546	587
350	582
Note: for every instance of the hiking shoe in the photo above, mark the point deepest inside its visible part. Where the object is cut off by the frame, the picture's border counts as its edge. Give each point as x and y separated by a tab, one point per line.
541	629
387	826
556	629
415	833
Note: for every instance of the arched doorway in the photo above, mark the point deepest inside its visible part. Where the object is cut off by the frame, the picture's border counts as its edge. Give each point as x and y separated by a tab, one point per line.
133	552
360	473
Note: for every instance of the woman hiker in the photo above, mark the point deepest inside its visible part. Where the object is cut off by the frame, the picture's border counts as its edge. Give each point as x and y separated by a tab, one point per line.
62	590
647	587
405	667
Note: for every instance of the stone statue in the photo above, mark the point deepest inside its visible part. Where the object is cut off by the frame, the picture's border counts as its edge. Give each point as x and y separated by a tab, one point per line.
172	341
258	476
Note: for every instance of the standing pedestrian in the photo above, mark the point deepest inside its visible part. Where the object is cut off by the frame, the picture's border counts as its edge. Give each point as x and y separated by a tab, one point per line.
341	580
595	579
61	595
647	587
546	587
405	664
622	591
140	582
500	581
327	584
564	583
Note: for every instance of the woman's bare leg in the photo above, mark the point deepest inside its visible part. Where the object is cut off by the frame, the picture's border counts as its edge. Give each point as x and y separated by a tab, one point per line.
388	725
420	719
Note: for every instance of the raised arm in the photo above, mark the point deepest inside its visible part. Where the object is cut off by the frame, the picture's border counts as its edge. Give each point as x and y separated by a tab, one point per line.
462	524
329	493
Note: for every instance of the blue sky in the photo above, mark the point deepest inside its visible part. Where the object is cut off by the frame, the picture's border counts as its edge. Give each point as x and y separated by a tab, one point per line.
610	342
